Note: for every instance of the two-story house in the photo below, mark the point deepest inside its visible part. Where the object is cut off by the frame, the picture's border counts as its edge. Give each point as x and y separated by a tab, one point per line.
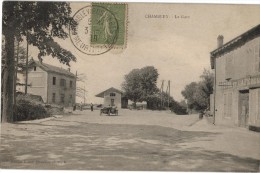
54	84
237	80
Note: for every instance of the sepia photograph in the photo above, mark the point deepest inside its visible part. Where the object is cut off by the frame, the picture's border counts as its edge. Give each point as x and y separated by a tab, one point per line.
130	86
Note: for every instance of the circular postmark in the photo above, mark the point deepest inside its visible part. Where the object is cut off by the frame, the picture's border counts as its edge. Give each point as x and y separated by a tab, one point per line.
96	31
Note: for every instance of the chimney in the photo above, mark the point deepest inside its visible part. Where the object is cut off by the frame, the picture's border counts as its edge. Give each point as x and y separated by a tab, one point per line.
220	41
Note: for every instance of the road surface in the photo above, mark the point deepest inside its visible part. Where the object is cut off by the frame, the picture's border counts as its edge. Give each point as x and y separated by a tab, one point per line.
132	141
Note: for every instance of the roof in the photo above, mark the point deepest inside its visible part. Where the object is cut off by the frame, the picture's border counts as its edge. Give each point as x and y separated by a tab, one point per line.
112	89
234	43
51	68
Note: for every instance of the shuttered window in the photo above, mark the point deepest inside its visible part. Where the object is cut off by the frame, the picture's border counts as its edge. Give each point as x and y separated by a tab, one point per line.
63	82
54	80
229	66
228	105
258	115
257	57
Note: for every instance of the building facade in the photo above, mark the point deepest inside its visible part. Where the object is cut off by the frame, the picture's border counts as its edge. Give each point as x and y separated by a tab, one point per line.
55	85
236	99
113	97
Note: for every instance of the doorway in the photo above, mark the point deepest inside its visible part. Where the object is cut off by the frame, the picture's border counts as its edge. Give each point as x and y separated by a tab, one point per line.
243	108
112	102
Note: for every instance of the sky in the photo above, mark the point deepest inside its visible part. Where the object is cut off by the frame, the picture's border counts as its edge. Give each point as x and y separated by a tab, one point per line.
178	48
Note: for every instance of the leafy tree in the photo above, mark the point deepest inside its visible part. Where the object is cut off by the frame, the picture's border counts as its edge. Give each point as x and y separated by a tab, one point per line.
39	22
198	93
132	86
206	86
178	108
140	84
189	94
148	80
154	103
183	104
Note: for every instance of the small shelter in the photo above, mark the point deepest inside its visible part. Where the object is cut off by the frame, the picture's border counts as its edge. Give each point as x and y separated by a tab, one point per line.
113	97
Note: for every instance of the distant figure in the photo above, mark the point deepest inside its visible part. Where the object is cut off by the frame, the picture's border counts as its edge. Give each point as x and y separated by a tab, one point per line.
91	107
74	107
201	114
81	106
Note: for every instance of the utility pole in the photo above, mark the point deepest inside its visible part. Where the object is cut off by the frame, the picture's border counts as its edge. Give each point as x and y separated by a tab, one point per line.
169	93
15	80
162	86
15	76
84	96
26	72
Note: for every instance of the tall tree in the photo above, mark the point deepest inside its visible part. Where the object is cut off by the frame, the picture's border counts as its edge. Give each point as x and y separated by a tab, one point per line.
132	86
154	103
189	94
197	94
9	26
140	84
206	85
39	22
148	81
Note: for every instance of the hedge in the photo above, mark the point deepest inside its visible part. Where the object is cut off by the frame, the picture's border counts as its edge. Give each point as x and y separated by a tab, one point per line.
29	110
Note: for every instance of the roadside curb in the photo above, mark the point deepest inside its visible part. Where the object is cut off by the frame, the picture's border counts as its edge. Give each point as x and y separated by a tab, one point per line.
193	123
220	127
40	120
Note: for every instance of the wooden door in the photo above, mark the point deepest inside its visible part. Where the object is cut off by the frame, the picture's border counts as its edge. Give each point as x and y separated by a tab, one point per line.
243	108
112	102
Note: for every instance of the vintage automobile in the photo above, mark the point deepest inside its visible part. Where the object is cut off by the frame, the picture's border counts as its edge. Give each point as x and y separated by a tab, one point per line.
109	110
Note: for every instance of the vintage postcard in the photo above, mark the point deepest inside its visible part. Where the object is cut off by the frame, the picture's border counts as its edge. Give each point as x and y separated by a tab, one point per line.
127	86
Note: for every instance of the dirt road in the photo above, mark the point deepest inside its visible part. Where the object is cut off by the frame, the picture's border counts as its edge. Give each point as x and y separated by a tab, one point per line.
134	140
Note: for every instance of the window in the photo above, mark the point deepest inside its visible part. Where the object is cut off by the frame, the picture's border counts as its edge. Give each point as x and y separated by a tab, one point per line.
34	69
112	94
257	57
54	80
62	98
63	82
228	105
53	97
258	116
229	66
70	84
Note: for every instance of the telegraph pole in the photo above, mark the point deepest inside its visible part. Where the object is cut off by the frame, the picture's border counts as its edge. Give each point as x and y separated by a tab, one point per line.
26	72
169	93
15	76
162	86
84	96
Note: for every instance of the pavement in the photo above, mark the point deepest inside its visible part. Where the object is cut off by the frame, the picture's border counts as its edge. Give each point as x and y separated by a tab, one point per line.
133	141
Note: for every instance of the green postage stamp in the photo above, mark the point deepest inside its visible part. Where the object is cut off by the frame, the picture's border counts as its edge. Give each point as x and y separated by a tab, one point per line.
100	24
100	28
